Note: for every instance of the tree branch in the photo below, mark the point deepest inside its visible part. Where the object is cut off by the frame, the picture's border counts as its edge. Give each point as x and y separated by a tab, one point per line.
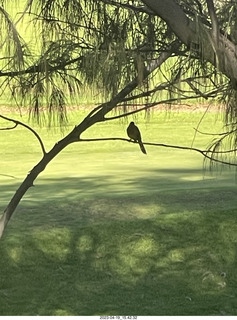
103	109
39	68
204	153
153	104
129	6
214	40
215	134
188	32
27	127
214	20
9	128
95	116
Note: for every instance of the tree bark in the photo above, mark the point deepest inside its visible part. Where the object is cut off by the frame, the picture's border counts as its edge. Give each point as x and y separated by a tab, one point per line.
195	35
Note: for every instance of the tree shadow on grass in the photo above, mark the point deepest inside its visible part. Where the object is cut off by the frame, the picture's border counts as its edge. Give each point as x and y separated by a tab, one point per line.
82	200
122	267
86	246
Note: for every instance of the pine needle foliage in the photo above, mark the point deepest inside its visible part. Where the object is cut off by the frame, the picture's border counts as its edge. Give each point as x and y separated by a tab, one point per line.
104	45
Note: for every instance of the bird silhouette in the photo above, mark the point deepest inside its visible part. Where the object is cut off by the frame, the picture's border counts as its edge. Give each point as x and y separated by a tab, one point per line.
135	134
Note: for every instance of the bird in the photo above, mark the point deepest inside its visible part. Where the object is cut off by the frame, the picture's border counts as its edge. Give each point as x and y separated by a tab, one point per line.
134	134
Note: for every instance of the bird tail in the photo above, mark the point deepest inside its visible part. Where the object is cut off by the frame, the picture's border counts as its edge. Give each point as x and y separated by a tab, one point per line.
142	147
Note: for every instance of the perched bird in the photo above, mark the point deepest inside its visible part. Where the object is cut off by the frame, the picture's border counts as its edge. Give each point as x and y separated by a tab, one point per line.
134	134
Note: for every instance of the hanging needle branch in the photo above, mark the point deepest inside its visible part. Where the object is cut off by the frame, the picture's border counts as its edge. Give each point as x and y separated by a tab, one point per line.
223	135
27	127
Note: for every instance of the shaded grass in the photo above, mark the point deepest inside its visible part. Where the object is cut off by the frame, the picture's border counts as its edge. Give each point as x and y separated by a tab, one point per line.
107	230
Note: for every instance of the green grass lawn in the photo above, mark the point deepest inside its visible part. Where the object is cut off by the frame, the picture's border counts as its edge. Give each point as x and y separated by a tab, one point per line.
109	231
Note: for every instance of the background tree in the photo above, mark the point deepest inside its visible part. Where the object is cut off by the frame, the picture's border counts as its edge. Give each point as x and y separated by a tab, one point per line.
135	54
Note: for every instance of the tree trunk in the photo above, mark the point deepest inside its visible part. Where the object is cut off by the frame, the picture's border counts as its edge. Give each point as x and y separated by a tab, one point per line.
222	53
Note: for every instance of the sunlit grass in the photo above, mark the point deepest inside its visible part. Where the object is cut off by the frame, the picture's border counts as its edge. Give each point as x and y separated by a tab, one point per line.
107	230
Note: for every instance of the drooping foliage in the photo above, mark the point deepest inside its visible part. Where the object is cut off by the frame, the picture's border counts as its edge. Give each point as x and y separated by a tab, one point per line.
54	51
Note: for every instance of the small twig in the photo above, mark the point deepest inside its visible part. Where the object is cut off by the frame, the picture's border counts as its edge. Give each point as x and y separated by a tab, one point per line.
27	127
130	7
7	175
213	134
10	128
200	123
148	93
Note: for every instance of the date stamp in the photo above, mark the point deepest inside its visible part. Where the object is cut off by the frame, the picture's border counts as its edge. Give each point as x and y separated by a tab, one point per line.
118	317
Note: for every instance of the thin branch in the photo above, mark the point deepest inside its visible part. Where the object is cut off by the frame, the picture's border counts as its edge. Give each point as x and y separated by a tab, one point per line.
148	93
199	123
106	139
196	90
27	127
204	153
153	104
9	128
38	68
28	5
214	134
105	108
143	9
166	85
